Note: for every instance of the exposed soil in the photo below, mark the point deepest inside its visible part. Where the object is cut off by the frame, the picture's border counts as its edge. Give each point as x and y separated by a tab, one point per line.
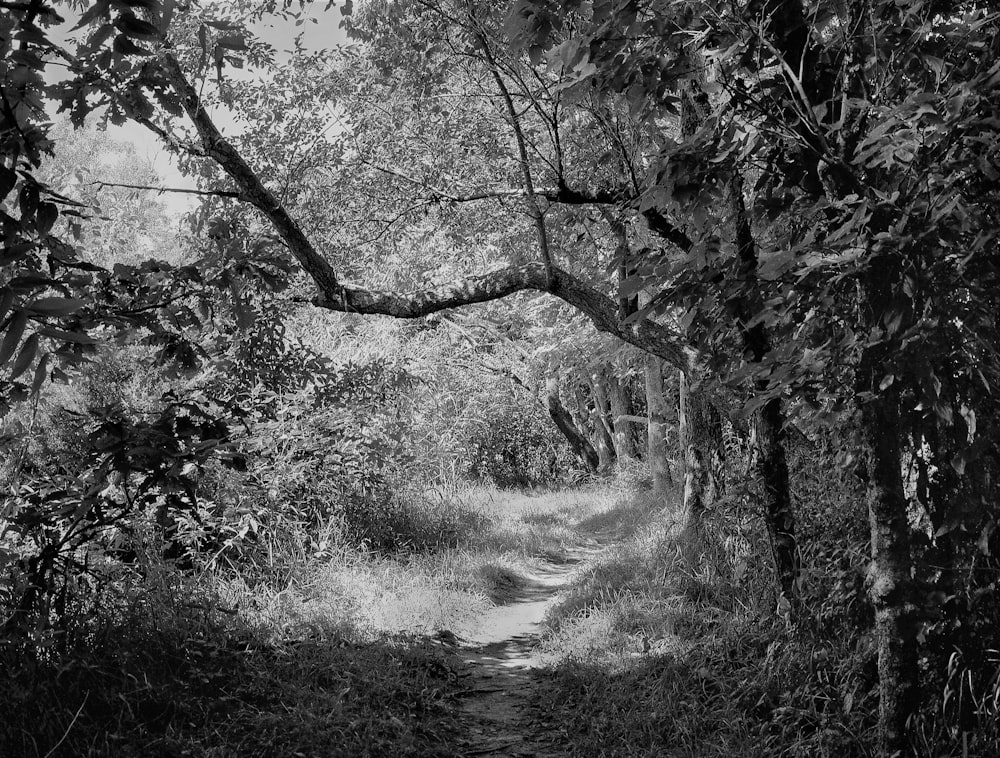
501	657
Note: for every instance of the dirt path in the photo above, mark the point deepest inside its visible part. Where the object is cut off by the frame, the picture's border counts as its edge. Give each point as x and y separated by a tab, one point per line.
501	653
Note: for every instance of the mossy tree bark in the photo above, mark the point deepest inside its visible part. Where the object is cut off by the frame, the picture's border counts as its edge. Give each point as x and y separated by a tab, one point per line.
703	453
890	579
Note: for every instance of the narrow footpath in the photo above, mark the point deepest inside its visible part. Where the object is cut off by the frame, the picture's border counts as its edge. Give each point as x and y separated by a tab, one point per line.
501	654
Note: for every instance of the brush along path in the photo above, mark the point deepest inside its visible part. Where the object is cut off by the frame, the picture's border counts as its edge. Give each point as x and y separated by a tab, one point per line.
500	655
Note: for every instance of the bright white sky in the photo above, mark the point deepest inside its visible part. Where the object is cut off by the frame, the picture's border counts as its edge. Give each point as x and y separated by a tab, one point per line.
321	29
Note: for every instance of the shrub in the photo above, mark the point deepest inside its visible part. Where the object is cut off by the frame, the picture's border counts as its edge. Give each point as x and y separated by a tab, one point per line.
518	447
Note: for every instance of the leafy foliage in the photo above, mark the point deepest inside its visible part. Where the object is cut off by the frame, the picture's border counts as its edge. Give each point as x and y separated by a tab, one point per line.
513	449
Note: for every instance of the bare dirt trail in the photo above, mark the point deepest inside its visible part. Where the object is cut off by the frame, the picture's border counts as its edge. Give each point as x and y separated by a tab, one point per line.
501	654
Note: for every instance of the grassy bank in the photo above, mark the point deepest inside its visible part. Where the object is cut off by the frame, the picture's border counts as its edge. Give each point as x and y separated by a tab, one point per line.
330	655
664	647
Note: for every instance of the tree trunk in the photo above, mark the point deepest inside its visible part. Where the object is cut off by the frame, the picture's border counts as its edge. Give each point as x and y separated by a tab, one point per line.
768	421
703	454
564	421
602	421
891	584
624	439
656	406
890	575
779	517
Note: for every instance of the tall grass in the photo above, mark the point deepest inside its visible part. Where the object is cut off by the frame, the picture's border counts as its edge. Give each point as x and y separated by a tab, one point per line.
296	652
653	652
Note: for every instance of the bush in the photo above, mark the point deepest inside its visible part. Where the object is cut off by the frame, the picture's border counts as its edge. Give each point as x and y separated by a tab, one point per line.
519	448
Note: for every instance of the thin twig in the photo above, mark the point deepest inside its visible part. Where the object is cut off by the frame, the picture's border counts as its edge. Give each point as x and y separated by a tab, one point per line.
522	148
182	190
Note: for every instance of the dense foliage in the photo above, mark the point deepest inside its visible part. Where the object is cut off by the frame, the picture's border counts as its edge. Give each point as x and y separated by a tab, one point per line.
792	203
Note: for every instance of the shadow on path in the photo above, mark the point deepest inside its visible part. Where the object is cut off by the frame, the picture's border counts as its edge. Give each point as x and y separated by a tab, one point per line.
500	654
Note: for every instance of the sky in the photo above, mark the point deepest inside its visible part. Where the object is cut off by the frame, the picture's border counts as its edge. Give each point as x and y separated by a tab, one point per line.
320	29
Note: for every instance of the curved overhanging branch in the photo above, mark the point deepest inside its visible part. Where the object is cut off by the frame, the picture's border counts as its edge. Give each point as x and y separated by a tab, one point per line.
648	336
602	310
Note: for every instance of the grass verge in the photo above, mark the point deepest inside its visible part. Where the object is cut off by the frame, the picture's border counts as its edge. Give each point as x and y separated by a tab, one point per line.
326	655
650	655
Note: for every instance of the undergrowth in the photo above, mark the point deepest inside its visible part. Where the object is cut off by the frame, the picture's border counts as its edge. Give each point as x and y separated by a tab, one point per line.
226	691
650	655
673	645
281	649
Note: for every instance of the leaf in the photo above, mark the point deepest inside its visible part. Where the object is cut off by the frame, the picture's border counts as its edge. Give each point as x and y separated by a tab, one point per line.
136	27
78	338
232	42
97	10
16	252
55	306
14	331
28	199
46	218
6	301
166	14
125	46
7	181
28	351
40	371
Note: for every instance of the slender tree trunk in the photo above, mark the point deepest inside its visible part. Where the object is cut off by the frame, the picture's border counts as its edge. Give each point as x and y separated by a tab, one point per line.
768	421
656	407
890	575
564	421
891	584
624	440
603	432
769	442
694	466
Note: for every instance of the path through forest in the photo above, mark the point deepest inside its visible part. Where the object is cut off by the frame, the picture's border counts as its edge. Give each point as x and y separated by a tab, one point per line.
501	654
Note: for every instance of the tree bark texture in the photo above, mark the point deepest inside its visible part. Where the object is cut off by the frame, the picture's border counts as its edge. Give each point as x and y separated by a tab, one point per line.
890	579
779	517
703	453
656	440
564	421
769	420
624	438
603	429
891	587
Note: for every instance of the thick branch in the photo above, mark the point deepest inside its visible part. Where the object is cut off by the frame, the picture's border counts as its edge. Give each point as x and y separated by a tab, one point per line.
602	310
251	187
